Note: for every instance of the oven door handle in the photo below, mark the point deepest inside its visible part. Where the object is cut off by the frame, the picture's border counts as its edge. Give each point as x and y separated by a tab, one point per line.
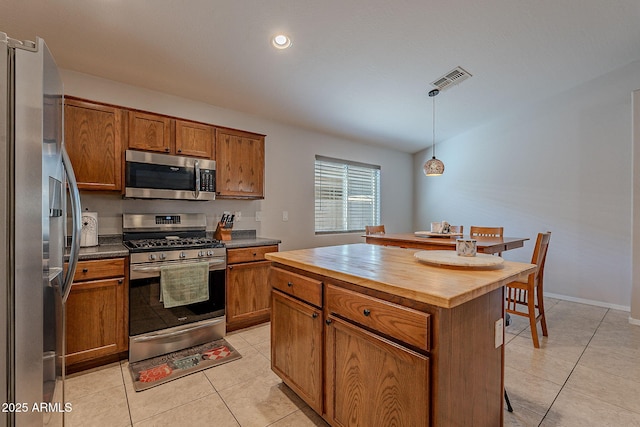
170	334
156	267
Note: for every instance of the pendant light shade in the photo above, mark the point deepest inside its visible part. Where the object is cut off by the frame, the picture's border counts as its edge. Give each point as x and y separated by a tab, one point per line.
434	167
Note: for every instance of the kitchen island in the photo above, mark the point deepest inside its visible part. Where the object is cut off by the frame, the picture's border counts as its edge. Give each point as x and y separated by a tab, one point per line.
369	335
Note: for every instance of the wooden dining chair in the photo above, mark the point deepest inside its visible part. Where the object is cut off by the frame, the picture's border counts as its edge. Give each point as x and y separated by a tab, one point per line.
486	231
374	229
527	295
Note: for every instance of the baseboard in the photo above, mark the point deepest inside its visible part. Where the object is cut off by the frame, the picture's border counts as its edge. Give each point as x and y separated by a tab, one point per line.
590	302
634	321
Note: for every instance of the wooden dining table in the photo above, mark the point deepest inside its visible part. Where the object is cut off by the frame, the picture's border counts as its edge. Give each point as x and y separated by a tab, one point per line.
485	245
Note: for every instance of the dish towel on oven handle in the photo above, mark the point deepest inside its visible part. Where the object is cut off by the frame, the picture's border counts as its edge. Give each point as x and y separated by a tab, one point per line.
184	284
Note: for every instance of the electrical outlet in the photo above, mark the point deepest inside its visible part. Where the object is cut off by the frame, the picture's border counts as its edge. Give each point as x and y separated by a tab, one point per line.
499	334
285	215
238	216
258	216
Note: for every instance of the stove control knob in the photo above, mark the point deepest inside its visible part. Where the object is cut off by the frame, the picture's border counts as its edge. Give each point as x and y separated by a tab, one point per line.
162	256
152	257
201	253
183	255
209	253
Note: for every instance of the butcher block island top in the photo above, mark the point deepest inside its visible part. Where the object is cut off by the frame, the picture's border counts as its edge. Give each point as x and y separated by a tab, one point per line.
396	271
369	335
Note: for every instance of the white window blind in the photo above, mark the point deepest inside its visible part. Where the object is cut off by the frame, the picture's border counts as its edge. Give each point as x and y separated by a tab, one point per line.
347	195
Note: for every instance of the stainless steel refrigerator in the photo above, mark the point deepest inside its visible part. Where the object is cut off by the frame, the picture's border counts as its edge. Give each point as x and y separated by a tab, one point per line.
36	185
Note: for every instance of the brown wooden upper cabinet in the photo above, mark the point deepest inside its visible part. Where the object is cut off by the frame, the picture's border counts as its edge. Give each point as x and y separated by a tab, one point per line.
194	139
239	164
152	132
94	143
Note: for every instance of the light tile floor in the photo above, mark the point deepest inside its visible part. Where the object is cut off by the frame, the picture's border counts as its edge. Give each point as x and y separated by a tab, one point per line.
586	373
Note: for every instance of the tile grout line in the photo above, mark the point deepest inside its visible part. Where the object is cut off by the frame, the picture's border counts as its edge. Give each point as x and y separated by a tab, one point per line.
126	395
222	398
574	367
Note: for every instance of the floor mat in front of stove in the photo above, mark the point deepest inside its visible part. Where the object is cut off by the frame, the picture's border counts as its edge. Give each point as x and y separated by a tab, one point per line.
159	370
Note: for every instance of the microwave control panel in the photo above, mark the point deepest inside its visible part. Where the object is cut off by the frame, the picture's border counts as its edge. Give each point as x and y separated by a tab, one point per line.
208	180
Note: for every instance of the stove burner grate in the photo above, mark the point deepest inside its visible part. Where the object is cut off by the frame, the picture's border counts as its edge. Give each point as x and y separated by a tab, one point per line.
172	243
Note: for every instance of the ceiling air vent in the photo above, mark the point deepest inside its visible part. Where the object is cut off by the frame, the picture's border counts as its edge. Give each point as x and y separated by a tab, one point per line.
453	77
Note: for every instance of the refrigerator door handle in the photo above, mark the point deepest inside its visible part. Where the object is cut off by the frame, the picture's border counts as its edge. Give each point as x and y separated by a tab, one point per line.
196	167
76	213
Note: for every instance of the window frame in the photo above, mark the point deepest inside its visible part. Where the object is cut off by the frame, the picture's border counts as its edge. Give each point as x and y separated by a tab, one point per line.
348	185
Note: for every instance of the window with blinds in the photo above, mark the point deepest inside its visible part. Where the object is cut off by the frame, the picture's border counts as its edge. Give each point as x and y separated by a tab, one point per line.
347	195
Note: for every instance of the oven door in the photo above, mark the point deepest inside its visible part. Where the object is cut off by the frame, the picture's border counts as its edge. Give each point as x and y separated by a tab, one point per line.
148	314
160	176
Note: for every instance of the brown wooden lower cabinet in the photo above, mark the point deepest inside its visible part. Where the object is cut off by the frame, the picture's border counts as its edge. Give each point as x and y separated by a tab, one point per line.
372	381
298	355
387	360
248	296
96	311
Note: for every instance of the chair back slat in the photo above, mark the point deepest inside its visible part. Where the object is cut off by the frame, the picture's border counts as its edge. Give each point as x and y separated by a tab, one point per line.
540	253
374	229
477	231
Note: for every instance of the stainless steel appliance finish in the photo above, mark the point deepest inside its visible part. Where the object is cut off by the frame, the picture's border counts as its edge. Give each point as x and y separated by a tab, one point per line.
147	265
33	203
156	242
162	176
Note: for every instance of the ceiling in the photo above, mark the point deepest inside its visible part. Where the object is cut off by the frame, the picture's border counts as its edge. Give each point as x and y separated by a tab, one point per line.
358	69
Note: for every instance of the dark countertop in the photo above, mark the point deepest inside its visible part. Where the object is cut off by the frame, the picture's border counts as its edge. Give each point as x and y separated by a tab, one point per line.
108	247
112	247
100	252
247	239
246	243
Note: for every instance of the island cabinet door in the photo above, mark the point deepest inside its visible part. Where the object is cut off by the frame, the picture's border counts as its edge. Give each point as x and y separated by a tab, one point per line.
372	381
296	347
248	294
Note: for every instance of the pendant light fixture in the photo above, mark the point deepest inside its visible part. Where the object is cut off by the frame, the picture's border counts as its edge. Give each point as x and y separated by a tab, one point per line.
434	167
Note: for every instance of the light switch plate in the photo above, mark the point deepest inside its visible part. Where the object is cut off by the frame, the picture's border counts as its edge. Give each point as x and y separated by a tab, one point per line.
499	333
285	215
258	216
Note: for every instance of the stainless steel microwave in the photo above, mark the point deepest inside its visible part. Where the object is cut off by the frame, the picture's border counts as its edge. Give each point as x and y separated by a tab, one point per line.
161	176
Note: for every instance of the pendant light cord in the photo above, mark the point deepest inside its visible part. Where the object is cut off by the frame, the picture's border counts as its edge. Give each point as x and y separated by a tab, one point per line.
434	126
433	94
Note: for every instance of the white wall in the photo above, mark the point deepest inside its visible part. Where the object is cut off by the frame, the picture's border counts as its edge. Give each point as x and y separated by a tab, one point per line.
563	165
635	292
289	162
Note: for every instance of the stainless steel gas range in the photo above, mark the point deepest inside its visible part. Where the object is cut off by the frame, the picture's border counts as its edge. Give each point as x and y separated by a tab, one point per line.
176	283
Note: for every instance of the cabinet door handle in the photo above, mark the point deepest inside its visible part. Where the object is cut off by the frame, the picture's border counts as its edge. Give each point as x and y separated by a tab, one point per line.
366	312
120	281
179	150
231	267
166	149
314	315
289	284
85	270
254	254
328	321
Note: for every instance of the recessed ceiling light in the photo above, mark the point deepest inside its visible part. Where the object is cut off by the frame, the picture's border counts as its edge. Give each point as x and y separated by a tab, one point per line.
281	41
